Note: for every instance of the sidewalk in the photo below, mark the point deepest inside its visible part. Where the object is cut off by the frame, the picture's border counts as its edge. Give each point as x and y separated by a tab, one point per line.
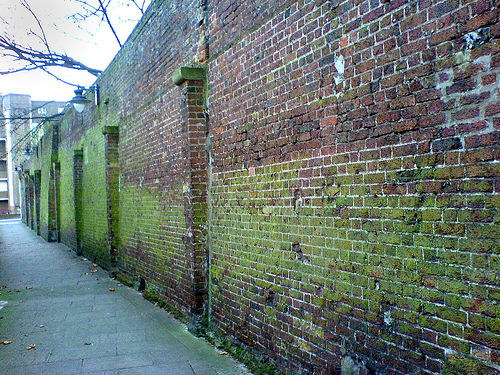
62	306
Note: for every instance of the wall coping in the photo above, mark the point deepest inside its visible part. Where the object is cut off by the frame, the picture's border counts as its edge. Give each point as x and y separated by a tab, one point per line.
110	130
188	73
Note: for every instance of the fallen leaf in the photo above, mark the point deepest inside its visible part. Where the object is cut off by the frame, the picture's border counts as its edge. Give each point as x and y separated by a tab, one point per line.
93	271
111	289
88	343
95	265
6	342
223	353
29	287
86	273
32	346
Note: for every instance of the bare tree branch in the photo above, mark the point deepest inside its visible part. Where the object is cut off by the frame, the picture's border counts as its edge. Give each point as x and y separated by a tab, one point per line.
43	38
28	115
59	79
16	148
105	15
34	59
90	9
43	58
20	118
18	121
101	11
140	7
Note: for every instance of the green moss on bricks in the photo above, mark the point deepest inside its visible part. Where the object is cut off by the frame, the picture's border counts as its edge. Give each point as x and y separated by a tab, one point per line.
188	73
458	364
145	212
125	280
152	296
94	225
256	364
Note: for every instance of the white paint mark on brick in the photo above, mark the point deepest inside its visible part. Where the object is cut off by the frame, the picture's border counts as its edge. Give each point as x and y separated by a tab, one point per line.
340	67
388	319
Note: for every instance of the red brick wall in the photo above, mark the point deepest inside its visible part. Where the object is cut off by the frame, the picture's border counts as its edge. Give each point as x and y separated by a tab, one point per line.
347	210
355	212
153	167
138	96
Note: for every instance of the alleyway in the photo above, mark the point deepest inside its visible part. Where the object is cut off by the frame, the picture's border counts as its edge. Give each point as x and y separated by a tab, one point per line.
59	314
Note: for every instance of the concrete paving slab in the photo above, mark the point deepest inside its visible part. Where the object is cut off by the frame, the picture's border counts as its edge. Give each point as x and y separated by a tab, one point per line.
61	304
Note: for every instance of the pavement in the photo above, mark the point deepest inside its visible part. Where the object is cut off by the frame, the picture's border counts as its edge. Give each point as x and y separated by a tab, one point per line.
60	314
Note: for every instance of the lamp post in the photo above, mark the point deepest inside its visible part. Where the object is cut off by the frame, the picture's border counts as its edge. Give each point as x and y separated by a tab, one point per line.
79	101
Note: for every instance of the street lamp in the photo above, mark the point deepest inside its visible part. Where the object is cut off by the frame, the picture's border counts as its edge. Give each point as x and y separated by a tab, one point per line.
79	101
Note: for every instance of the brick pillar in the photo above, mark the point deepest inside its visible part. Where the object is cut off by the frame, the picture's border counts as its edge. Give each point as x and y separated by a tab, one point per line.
28	199
52	232
24	199
37	186
54	207
191	83
78	195
111	136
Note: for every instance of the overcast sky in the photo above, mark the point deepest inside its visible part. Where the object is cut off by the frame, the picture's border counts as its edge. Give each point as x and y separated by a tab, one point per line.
90	42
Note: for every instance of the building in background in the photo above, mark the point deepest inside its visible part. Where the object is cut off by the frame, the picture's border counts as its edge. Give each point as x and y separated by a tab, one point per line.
19	118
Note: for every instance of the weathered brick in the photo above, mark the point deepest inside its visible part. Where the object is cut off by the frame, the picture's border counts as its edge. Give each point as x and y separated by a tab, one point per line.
336	188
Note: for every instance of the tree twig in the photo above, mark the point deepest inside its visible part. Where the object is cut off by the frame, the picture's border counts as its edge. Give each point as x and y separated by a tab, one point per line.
39	60
105	15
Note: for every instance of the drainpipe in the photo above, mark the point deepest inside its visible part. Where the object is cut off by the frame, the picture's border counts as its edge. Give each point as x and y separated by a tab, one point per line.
10	172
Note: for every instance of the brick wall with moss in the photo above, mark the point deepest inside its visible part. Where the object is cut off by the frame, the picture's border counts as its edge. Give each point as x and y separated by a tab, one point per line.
39	192
355	183
45	166
80	132
139	96
94	212
353	148
68	199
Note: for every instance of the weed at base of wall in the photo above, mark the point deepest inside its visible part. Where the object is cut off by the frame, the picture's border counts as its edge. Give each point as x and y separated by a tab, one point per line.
124	280
154	298
257	365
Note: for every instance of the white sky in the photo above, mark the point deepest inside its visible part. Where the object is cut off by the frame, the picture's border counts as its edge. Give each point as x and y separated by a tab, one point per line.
89	42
